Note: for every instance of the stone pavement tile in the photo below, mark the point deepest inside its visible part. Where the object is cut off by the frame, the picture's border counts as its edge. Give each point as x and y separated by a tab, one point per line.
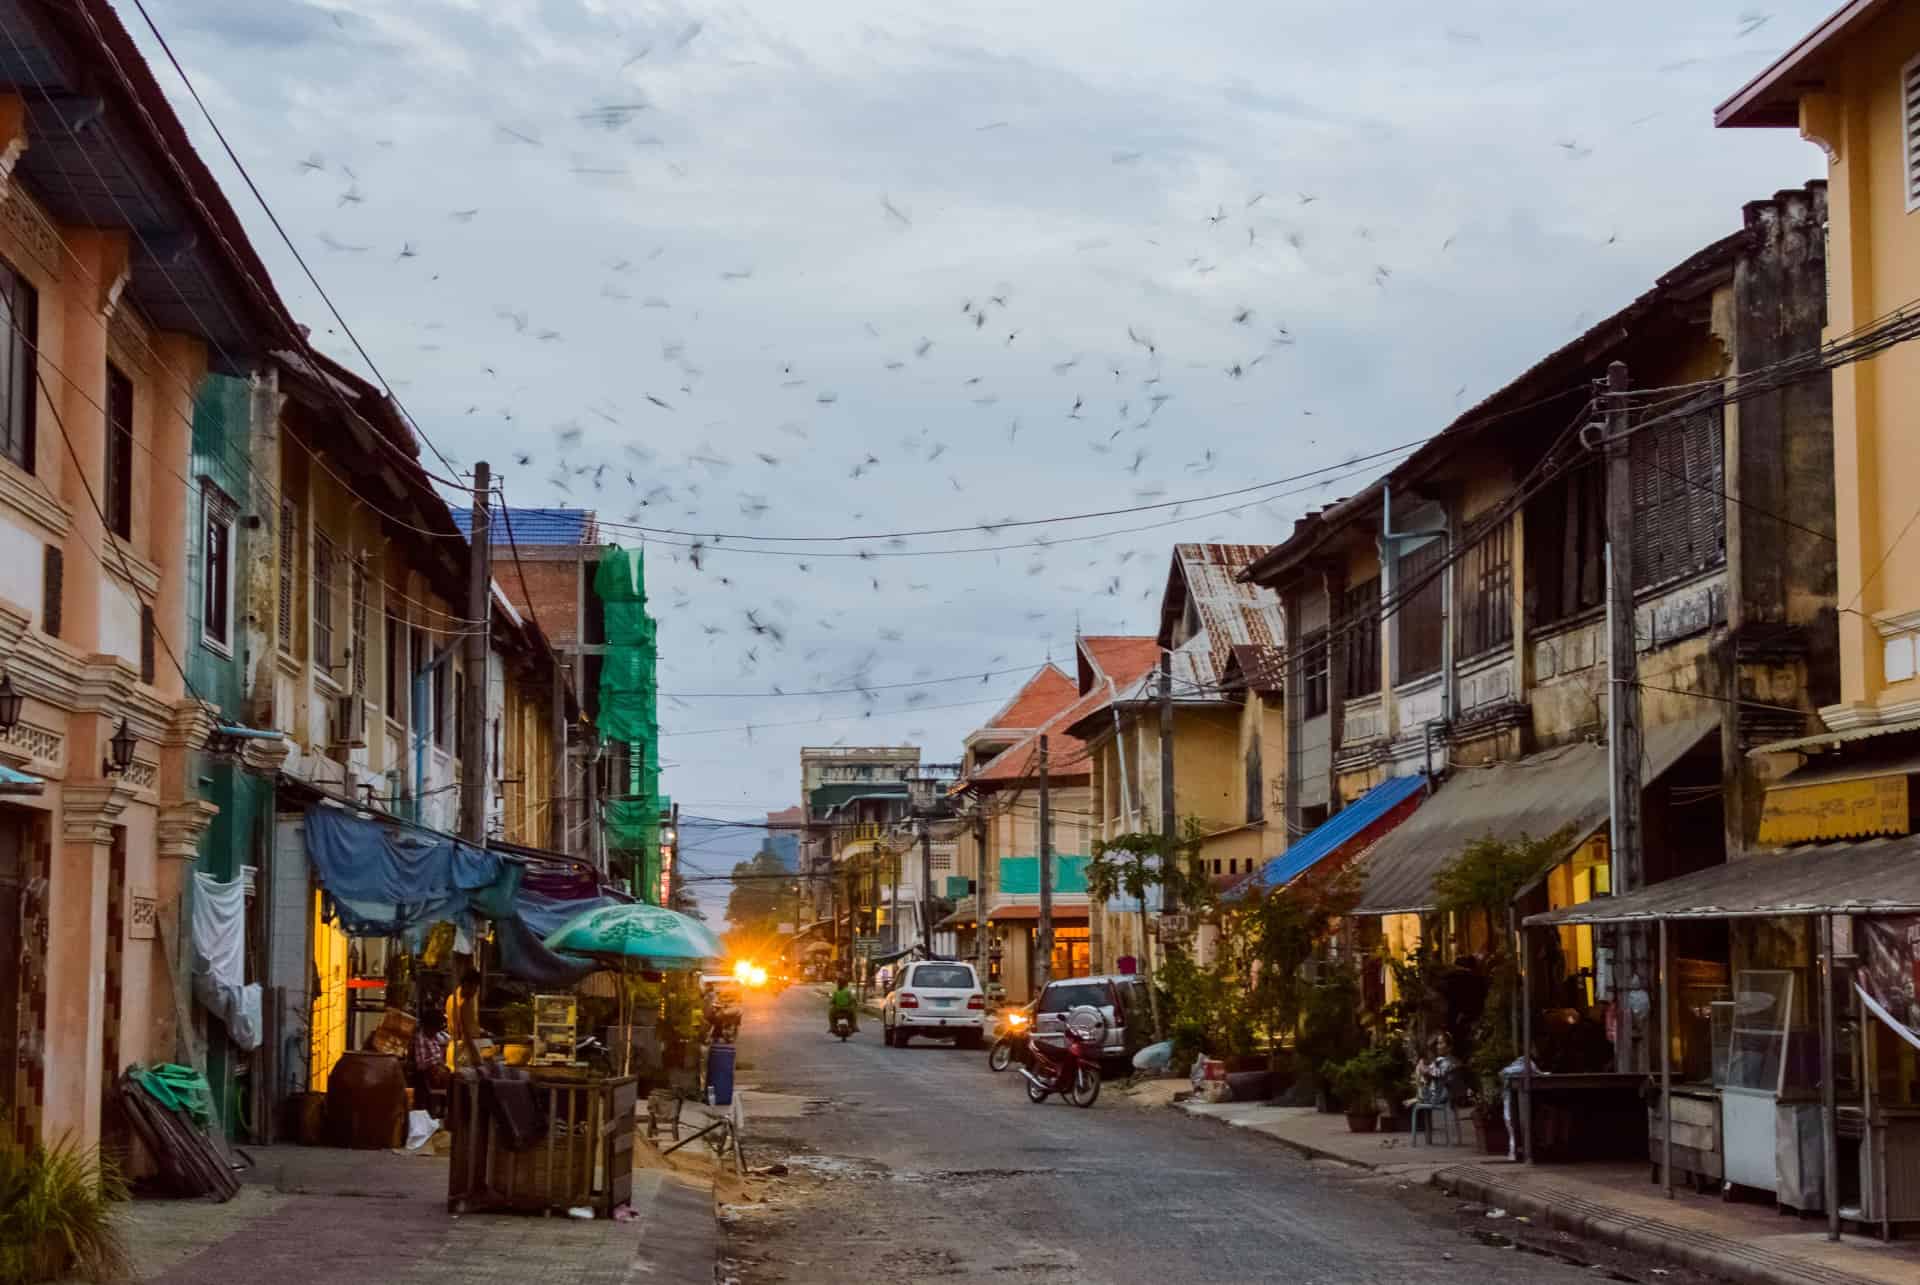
1739	1241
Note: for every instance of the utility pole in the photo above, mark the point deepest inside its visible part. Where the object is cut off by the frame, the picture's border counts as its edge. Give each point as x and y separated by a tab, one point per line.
893	903
476	780
926	886
1632	976
980	933
557	788
1169	887
1045	942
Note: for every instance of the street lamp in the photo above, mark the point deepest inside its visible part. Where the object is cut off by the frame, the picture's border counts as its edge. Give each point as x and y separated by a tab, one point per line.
10	703
121	750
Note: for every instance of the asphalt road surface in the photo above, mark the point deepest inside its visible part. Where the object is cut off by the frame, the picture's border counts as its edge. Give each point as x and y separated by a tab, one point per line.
920	1164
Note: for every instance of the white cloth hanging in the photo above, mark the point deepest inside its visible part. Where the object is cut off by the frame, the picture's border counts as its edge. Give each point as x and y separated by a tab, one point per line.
220	955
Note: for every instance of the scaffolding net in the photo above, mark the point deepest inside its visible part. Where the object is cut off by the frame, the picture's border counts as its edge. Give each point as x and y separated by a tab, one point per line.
629	722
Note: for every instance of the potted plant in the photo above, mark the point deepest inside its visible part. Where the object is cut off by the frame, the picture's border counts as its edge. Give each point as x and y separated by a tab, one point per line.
1364	1082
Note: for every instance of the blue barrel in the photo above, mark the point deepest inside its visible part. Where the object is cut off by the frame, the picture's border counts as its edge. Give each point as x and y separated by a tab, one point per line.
720	1075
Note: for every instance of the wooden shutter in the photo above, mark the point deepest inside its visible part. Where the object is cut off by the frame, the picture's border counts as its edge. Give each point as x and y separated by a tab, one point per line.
358	624
1910	132
148	660
287	552
52	586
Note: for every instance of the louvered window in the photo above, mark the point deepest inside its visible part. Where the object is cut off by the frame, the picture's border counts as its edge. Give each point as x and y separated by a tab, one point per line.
322	601
1421	590
289	553
1486	588
1313	674
1679	506
1360	639
359	610
1910	128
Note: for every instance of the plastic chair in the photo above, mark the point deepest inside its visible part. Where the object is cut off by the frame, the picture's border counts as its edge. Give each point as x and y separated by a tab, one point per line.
1443	1104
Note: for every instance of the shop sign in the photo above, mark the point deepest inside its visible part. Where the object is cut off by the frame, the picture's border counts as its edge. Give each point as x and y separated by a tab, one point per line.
1834	810
143	913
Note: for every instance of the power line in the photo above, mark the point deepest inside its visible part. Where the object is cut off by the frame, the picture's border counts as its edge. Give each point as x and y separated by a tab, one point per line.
870	687
272	218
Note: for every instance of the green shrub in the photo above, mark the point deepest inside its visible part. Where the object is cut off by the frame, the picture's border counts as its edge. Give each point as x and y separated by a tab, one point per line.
56	1215
1380	1071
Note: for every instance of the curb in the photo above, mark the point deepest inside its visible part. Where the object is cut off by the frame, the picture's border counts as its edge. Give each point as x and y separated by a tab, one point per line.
1306	1150
1703	1251
679	1237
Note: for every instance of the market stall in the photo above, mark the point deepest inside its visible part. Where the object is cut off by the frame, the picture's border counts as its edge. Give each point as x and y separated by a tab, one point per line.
1813	1048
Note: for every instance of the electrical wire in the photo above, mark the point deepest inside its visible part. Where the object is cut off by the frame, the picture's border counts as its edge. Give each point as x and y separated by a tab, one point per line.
272	218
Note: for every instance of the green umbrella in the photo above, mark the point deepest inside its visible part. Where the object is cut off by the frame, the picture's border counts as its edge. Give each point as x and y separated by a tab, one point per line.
636	935
650	936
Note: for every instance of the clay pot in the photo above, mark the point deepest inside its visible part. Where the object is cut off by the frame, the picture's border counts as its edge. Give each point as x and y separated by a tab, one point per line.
1362	1122
366	1101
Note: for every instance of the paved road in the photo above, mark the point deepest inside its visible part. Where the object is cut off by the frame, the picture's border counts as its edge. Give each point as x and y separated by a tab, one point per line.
920	1164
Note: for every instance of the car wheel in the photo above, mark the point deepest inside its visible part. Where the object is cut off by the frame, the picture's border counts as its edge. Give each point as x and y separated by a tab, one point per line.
900	1037
970	1040
886	1035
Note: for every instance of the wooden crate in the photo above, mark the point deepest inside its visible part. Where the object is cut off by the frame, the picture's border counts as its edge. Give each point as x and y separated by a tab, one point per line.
1698	1150
585	1156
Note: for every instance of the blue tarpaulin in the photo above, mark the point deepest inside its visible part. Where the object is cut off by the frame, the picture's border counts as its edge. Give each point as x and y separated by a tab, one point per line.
522	919
391	880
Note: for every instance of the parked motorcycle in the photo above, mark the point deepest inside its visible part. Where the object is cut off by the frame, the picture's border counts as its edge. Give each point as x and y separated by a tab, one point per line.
1072	1072
843	1027
1011	1045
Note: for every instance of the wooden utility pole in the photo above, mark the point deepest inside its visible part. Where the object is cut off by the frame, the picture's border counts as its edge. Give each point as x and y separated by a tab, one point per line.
926	886
1632	967
557	788
1169	886
981	937
476	780
1044	945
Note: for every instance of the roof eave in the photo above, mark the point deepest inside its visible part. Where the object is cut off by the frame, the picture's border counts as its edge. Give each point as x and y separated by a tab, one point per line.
1771	100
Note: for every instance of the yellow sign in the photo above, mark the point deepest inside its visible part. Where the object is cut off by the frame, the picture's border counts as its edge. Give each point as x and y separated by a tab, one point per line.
1836	810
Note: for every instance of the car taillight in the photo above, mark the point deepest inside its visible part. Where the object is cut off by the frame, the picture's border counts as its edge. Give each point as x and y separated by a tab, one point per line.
976	1001
909	1001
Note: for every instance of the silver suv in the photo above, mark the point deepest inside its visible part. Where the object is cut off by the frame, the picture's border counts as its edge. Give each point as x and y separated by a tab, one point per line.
936	998
1121	999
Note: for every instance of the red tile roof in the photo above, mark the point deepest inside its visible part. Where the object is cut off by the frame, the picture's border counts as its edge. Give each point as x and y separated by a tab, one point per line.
1121	657
1045	694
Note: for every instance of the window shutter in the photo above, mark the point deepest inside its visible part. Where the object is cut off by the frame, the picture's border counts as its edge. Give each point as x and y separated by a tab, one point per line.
53	581
147	641
286	575
1910	105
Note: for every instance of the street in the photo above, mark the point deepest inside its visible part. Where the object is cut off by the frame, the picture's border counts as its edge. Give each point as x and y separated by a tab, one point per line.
920	1163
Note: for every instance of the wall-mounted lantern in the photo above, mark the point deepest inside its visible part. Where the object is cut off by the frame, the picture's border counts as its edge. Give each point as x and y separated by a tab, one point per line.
120	751
10	702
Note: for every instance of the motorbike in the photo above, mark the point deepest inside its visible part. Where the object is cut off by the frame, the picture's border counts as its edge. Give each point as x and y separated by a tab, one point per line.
842	1026
1072	1072
1012	1043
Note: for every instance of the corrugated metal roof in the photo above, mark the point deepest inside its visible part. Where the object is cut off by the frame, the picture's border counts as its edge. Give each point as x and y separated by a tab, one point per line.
1534	797
1342	828
536	526
1230	612
1830	771
1866	877
1823	740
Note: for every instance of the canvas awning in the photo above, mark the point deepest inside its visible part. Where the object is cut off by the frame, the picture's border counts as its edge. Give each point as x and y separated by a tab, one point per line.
16	784
1868	877
1540	795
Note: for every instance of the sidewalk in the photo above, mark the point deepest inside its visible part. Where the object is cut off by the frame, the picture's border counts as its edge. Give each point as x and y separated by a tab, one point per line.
318	1214
1613	1204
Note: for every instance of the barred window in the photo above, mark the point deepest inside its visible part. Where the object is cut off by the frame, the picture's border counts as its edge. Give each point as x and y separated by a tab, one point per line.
1360	639
1313	674
1421	612
1486	585
322	601
1679	510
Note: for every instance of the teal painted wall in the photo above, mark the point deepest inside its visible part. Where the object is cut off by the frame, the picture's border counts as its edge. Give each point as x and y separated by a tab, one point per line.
220	456
1021	875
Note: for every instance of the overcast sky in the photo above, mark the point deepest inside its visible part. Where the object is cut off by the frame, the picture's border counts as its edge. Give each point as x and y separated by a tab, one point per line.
908	265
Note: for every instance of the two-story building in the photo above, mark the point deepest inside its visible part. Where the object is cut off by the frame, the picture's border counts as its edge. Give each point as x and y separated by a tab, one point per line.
998	796
1448	624
1228	737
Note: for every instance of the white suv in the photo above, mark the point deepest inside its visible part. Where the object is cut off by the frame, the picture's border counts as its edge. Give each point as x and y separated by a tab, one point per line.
935	997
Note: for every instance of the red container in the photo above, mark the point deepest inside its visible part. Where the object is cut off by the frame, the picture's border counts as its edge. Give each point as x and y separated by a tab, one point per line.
366	1101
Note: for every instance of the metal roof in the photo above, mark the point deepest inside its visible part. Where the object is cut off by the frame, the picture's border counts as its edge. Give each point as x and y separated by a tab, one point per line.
1867	877
1533	797
1824	740
536	526
1207	576
1342	828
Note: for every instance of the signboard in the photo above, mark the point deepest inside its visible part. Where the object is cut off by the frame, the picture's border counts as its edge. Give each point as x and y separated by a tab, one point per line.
1834	810
1172	927
959	886
143	913
865	945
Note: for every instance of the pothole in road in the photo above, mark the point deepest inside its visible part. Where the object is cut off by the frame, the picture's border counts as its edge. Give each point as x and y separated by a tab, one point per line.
1496	1240
968	1175
834	1167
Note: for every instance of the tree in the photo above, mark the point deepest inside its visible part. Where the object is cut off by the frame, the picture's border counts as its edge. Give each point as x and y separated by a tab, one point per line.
1132	864
765	895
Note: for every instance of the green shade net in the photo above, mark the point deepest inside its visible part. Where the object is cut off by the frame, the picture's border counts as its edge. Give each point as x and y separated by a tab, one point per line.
629	722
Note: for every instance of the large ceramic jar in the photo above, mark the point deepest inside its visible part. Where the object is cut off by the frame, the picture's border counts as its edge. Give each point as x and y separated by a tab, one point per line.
366	1101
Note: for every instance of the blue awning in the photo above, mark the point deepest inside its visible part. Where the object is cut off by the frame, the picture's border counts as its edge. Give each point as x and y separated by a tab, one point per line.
18	783
1340	829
